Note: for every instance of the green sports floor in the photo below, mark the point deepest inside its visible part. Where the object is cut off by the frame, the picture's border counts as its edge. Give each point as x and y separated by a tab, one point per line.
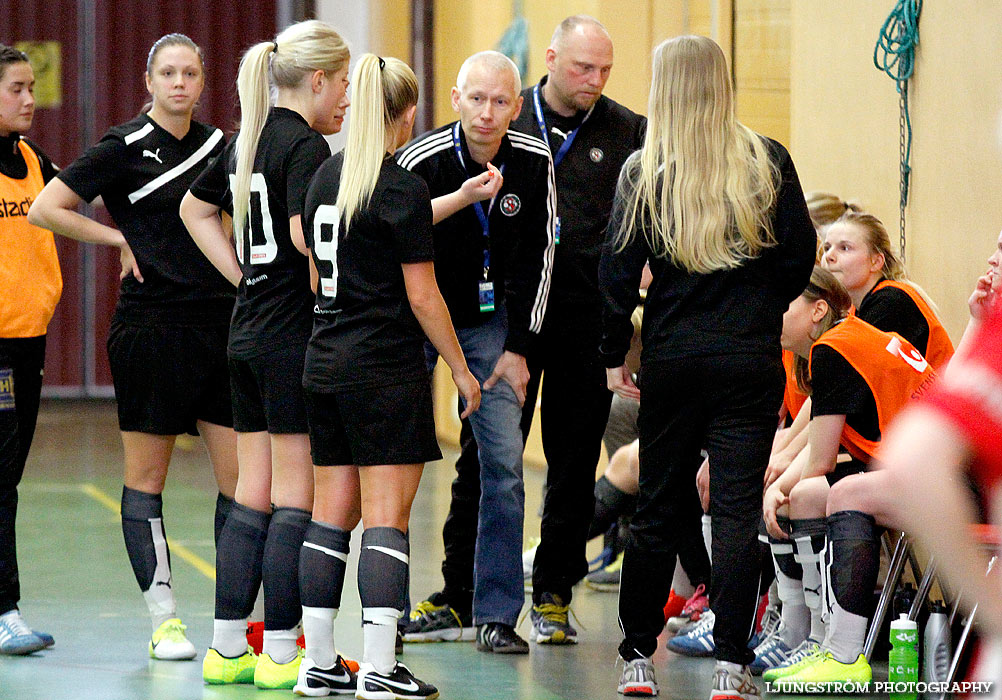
77	585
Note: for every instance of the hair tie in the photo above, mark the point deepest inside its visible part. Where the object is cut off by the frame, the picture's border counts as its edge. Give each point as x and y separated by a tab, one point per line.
382	63
274	46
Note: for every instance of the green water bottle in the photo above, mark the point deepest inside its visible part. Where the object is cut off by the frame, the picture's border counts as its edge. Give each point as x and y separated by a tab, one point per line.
903	660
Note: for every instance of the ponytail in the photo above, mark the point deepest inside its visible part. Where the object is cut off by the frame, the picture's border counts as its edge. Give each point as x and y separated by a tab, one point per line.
255	100
297	52
384	89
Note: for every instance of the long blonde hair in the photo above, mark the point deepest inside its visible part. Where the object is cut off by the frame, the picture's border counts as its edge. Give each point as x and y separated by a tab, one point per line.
384	89
703	185
295	54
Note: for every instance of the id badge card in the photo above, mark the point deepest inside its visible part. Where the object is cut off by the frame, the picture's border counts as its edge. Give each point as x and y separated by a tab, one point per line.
486	297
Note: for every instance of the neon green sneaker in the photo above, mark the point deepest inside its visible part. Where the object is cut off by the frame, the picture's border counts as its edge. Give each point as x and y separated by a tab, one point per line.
218	669
268	674
827	669
169	643
806	653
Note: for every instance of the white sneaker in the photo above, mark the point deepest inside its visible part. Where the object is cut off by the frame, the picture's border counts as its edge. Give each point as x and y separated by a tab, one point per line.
169	643
733	682
637	678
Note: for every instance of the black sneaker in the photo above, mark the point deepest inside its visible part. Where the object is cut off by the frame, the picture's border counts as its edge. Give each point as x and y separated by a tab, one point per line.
400	684
500	638
317	682
434	620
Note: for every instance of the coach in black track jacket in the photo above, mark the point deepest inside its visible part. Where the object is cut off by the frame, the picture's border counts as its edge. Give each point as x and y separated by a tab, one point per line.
590	137
521	221
493	261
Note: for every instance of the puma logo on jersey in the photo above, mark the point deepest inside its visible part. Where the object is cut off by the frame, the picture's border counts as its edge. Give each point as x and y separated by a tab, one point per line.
154	156
558	132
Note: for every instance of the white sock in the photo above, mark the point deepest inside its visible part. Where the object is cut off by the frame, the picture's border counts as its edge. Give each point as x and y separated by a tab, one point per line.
229	637
708	537
811	565
161	604
318	627
160	597
846	633
280	645
680	582
796	617
379	638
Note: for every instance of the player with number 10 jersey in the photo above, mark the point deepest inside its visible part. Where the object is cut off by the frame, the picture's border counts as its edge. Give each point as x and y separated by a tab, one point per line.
274	300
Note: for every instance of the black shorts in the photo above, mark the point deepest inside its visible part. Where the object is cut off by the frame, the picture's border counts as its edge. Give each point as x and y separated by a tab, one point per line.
169	376
383	425
268	391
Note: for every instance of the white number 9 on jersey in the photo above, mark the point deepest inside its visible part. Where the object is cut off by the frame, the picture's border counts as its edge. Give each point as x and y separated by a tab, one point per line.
258	221
327	215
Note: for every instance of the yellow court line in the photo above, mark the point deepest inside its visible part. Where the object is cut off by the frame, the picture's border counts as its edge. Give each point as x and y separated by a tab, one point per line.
203	567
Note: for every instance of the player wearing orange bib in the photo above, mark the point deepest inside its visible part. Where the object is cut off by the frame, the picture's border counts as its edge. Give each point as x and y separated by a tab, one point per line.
31	282
859	378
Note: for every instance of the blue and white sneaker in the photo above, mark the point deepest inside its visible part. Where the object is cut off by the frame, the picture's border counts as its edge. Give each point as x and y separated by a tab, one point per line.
47	639
772	625
16	638
771	653
698	641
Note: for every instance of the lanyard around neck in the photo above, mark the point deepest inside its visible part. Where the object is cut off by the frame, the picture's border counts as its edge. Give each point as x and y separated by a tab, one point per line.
478	207
571	135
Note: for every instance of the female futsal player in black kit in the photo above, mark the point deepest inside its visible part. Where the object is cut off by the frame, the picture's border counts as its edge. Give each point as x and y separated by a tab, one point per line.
167	344
368	222
262	178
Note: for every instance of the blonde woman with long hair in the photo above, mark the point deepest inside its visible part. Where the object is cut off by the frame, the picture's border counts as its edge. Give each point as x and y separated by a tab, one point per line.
368	222
719	212
261	178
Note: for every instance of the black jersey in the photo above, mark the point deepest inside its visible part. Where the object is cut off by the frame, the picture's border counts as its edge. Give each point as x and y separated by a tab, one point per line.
586	179
364	332
142	171
521	237
838	389
892	310
274	300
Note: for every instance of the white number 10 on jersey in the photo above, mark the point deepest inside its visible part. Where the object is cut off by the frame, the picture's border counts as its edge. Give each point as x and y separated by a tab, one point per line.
258	223
326	250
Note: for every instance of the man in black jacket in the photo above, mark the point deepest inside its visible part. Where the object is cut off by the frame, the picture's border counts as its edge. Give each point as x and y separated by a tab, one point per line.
493	262
590	137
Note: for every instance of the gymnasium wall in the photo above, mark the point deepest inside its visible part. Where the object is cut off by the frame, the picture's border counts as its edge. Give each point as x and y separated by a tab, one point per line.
844	132
463	27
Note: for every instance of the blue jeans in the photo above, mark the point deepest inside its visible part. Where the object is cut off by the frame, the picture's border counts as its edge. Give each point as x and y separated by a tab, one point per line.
498	593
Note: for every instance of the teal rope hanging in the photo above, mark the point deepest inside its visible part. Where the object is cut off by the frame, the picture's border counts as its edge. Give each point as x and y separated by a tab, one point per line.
895	55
